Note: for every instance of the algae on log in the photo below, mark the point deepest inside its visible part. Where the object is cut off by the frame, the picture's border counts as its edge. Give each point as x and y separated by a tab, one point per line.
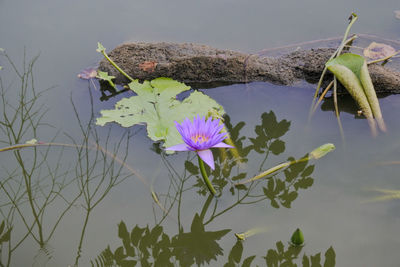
194	63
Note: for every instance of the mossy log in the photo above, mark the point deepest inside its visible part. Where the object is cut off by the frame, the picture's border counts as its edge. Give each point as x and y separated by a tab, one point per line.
194	63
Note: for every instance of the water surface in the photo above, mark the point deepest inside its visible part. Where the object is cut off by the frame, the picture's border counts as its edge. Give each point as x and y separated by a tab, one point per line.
333	212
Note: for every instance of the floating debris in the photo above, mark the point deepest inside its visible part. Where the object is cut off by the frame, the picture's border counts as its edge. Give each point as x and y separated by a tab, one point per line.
397	14
378	50
88	74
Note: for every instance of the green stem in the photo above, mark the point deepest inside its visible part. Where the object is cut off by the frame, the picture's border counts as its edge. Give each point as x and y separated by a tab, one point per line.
116	66
205	177
273	169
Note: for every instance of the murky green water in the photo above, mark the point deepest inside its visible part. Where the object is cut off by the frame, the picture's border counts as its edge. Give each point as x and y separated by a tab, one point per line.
334	208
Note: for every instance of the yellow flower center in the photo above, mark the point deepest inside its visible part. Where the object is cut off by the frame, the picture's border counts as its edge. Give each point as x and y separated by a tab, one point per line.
201	138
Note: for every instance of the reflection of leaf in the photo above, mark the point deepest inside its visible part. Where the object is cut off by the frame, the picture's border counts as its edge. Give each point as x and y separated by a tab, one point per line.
236	252
378	50
6	236
104	76
193	169
150	247
272	127
237	140
268	134
156	105
235	256
124	235
198	245
247	262
304	183
330	258
282	256
277	147
316	260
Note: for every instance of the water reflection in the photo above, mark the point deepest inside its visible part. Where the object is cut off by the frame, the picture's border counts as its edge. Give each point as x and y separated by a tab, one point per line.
281	191
153	247
44	175
84	171
281	256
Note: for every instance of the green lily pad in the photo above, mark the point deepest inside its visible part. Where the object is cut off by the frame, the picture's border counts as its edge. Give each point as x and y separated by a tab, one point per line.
156	106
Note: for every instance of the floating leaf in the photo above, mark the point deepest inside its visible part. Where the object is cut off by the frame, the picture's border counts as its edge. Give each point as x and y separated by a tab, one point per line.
378	50
156	106
104	76
88	73
352	71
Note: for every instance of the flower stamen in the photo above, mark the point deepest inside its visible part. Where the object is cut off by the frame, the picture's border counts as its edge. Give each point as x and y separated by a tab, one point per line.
199	138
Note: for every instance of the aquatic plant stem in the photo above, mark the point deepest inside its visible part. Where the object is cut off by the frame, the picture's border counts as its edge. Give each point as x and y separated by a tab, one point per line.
346	33
321	97
384	58
335	54
335	103
273	169
103	52
205	176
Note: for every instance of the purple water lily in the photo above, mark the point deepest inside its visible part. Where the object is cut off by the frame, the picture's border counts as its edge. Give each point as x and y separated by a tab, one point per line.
200	136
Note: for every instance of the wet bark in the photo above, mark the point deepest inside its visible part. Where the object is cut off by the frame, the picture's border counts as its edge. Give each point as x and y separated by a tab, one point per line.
194	63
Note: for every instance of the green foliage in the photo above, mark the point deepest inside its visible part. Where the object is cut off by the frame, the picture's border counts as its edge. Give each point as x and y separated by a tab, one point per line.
352	71
156	106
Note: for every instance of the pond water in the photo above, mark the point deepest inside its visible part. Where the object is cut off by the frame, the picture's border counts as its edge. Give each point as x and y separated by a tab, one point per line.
337	208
